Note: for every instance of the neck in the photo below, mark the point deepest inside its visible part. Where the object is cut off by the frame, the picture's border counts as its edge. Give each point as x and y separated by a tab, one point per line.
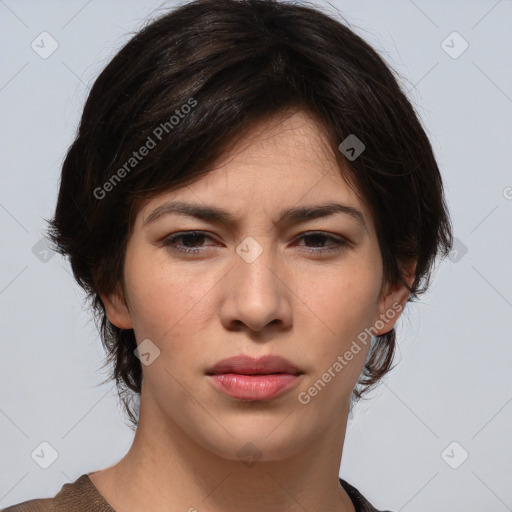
166	466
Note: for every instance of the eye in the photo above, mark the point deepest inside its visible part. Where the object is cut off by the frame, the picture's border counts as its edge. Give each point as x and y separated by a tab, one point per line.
191	240
319	238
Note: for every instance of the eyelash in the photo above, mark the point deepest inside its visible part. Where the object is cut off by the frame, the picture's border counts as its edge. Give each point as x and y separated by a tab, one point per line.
340	243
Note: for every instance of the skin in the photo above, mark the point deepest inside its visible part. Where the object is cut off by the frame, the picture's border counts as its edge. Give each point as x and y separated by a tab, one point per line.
201	308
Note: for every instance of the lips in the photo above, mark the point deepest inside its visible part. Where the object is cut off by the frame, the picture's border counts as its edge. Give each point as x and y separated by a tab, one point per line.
246	365
245	378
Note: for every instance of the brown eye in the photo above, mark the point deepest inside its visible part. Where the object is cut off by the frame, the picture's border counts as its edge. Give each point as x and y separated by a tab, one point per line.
318	239
191	241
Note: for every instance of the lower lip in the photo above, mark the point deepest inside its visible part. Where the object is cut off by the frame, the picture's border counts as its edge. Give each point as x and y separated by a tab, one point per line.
254	387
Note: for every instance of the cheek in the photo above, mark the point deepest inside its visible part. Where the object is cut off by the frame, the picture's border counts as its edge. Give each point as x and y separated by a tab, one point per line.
166	300
341	312
343	303
339	307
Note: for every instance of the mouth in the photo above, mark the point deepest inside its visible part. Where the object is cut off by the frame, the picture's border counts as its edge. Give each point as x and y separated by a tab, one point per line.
245	378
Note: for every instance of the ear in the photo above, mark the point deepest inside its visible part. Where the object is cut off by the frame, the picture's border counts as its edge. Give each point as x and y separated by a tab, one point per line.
393	301
117	310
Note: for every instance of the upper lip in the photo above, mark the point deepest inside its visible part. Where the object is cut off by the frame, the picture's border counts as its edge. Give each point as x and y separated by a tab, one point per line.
246	365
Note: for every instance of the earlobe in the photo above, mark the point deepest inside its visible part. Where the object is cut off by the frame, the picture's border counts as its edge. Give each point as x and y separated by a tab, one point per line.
117	311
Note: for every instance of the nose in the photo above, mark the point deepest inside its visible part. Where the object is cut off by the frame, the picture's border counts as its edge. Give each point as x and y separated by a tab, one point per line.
255	292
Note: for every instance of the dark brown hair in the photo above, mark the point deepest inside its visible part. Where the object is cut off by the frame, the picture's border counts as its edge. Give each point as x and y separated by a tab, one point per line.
189	85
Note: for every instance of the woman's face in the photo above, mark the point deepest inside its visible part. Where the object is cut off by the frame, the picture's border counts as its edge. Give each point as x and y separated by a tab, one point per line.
300	288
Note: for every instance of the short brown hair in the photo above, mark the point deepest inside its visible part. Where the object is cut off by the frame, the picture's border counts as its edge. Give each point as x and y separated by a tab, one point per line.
204	73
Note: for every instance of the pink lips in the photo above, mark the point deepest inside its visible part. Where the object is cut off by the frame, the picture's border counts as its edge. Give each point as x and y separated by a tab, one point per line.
245	378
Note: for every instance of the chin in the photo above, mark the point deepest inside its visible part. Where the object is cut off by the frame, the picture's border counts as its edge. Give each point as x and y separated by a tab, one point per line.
260	441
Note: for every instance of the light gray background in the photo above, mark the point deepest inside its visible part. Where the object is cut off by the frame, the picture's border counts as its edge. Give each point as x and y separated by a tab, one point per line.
453	379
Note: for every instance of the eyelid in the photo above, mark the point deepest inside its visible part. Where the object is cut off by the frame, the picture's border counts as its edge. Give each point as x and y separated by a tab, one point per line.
340	244
201	232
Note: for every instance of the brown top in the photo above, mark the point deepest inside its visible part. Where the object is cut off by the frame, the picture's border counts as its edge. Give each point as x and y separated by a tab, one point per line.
83	496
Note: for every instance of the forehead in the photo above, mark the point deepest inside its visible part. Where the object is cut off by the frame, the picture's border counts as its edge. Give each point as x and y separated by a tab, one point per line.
281	162
288	141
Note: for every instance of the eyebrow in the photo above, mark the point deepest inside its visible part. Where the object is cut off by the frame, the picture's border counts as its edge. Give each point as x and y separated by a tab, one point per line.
290	216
